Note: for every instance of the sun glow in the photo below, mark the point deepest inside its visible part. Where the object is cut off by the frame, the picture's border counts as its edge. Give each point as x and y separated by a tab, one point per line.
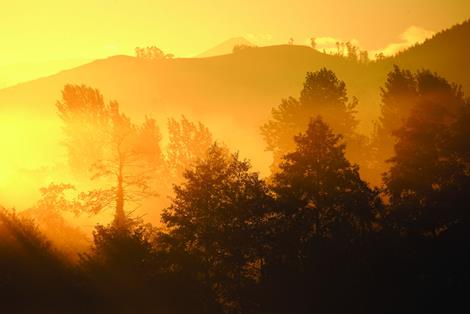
29	146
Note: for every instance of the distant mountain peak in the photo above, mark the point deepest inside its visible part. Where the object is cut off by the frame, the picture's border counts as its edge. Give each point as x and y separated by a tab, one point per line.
225	47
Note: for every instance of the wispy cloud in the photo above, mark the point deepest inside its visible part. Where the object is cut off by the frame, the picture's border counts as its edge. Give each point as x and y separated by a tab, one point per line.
411	36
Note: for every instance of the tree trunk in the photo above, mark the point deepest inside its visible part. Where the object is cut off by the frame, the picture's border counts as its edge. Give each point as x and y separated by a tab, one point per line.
120	218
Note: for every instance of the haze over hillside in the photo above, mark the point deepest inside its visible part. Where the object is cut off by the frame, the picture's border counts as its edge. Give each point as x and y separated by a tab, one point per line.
227	157
12	74
234	93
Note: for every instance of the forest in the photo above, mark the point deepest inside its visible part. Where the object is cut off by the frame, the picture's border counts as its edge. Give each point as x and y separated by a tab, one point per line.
234	157
313	236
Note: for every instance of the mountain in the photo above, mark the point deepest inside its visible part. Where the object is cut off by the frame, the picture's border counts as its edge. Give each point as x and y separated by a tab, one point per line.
234	93
225	48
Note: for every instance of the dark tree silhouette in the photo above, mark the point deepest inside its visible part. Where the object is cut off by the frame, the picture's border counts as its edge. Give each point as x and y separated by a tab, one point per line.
427	188
430	171
324	211
120	268
217	217
33	276
398	97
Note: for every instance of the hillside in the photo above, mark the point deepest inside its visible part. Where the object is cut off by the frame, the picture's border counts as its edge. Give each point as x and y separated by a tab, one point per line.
446	53
233	94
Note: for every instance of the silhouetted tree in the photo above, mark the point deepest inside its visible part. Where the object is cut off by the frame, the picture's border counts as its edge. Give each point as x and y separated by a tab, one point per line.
217	217
399	95
324	214
120	266
152	53
33	276
364	57
353	51
427	188
323	94
430	170
379	56
313	43
241	47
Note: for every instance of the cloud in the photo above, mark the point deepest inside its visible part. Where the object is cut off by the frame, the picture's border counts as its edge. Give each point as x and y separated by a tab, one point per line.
411	36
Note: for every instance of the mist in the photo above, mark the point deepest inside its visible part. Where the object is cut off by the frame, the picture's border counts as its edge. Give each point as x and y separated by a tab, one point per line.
262	179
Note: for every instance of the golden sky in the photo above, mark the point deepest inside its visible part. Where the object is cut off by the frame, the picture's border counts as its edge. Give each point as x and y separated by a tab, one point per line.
50	34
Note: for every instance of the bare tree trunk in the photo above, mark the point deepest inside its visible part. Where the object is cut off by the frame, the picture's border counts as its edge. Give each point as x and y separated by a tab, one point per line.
120	218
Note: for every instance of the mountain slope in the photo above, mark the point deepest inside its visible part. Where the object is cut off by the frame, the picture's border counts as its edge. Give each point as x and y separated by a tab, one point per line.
447	53
234	93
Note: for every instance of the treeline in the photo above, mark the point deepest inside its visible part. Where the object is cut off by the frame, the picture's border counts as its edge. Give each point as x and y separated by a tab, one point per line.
313	237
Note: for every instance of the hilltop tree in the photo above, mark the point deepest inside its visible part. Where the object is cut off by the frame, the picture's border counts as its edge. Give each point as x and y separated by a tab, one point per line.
313	43
152	53
188	142
241	47
129	155
353	51
216	217
380	56
364	57
323	94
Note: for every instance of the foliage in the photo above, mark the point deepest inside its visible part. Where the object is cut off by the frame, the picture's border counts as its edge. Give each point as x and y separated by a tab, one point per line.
129	271
324	214
152	53
217	216
430	170
188	142
29	267
48	214
241	47
129	155
398	95
84	114
323	94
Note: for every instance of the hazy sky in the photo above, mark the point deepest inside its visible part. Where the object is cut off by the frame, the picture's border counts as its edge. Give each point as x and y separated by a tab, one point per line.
37	31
